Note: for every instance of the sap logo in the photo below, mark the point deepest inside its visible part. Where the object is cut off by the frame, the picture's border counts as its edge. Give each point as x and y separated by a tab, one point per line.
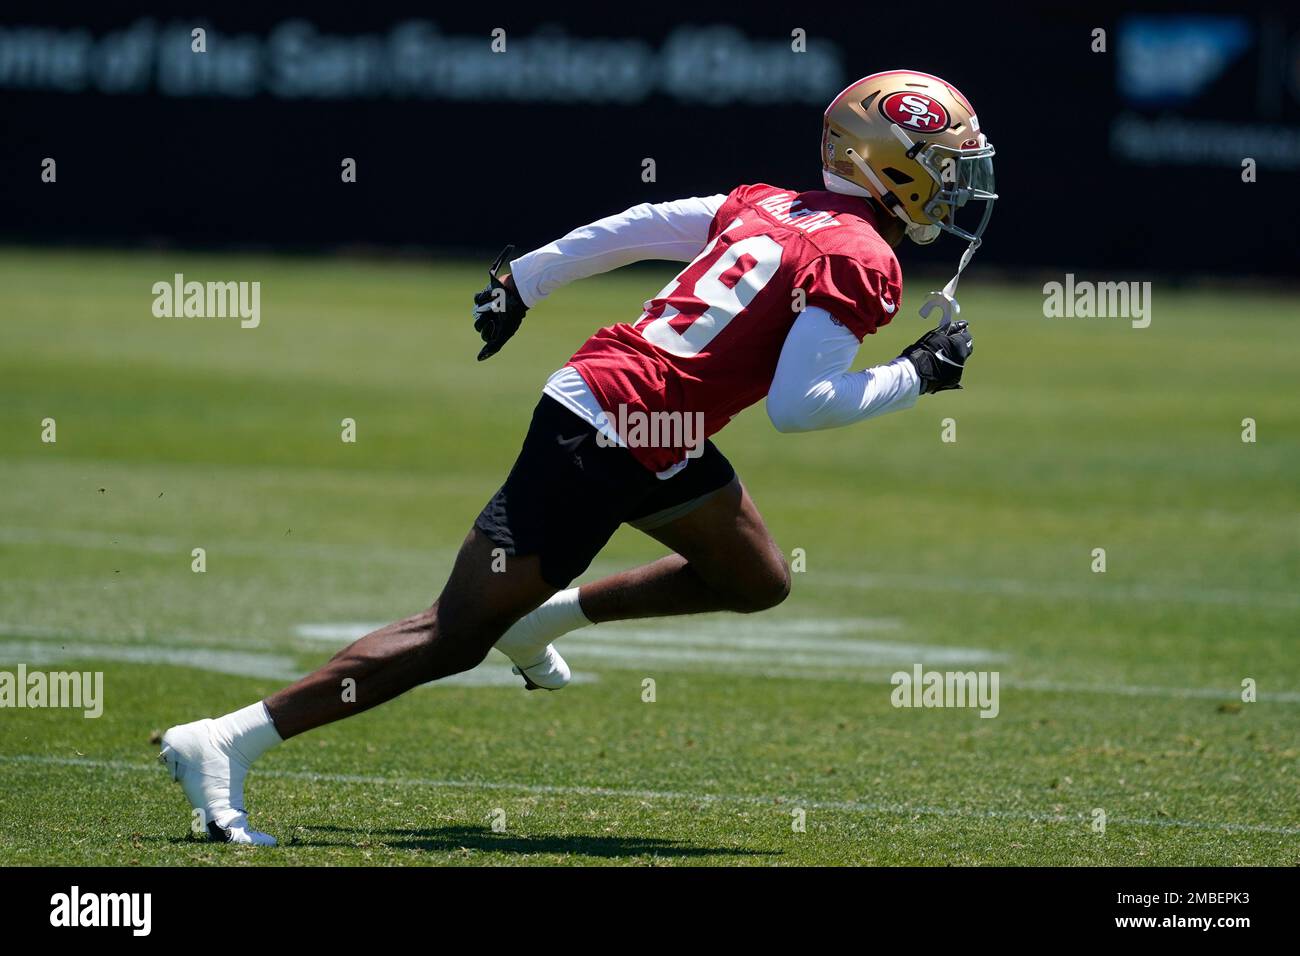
1170	60
103	909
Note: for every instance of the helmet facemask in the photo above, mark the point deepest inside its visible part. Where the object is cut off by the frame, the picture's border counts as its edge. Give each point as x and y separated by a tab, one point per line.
963	176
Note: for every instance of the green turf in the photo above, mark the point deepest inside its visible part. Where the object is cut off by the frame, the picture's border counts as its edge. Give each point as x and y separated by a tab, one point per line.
1119	690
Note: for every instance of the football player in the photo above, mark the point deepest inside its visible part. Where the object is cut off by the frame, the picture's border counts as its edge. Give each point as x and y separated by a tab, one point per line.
779	289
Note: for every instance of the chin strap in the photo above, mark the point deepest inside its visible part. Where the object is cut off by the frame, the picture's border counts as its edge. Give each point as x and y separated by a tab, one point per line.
945	299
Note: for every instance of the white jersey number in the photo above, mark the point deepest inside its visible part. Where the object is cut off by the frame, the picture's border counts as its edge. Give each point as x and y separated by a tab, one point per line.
722	301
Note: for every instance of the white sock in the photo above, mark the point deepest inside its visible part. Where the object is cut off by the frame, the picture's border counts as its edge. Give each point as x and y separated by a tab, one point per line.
526	641
248	732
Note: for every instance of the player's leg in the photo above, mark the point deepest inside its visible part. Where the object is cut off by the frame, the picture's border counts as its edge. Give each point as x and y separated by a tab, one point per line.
724	560
542	522
210	758
477	606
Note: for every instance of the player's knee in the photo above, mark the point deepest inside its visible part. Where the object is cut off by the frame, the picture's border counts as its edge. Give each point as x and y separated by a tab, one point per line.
463	639
766	589
465	655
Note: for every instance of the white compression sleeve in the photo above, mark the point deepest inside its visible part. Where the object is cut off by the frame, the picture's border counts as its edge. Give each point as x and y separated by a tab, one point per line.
526	641
675	230
814	389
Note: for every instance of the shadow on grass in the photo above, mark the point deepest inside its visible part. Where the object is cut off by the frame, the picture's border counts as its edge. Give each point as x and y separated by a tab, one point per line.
451	839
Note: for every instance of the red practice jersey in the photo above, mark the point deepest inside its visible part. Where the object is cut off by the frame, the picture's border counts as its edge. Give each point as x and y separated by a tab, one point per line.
710	341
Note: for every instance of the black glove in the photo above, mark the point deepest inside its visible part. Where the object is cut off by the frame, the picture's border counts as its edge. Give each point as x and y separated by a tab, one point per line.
940	356
498	310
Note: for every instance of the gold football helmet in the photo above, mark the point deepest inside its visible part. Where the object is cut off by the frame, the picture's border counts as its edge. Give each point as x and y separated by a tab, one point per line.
913	143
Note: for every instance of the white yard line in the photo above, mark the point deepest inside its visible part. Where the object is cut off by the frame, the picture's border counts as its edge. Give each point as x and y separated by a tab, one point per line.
277	667
784	802
1110	590
712	649
785	648
235	663
778	642
793	657
699	631
774	647
760	650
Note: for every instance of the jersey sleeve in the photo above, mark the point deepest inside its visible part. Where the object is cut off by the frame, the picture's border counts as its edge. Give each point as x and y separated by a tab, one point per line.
813	387
859	296
675	230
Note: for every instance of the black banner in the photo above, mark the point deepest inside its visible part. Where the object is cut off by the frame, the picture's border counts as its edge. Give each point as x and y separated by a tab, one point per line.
1128	138
133	906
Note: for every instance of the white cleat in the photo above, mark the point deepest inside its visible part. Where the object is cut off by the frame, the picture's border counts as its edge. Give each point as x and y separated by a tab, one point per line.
549	673
237	830
212	777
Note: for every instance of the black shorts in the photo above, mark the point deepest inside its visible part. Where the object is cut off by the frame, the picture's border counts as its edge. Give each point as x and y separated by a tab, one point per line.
566	494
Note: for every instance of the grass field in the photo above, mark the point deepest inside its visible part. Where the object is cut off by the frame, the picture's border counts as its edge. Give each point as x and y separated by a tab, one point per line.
1120	691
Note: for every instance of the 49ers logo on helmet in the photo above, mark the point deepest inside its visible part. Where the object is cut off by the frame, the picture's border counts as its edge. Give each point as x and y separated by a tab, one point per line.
915	111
